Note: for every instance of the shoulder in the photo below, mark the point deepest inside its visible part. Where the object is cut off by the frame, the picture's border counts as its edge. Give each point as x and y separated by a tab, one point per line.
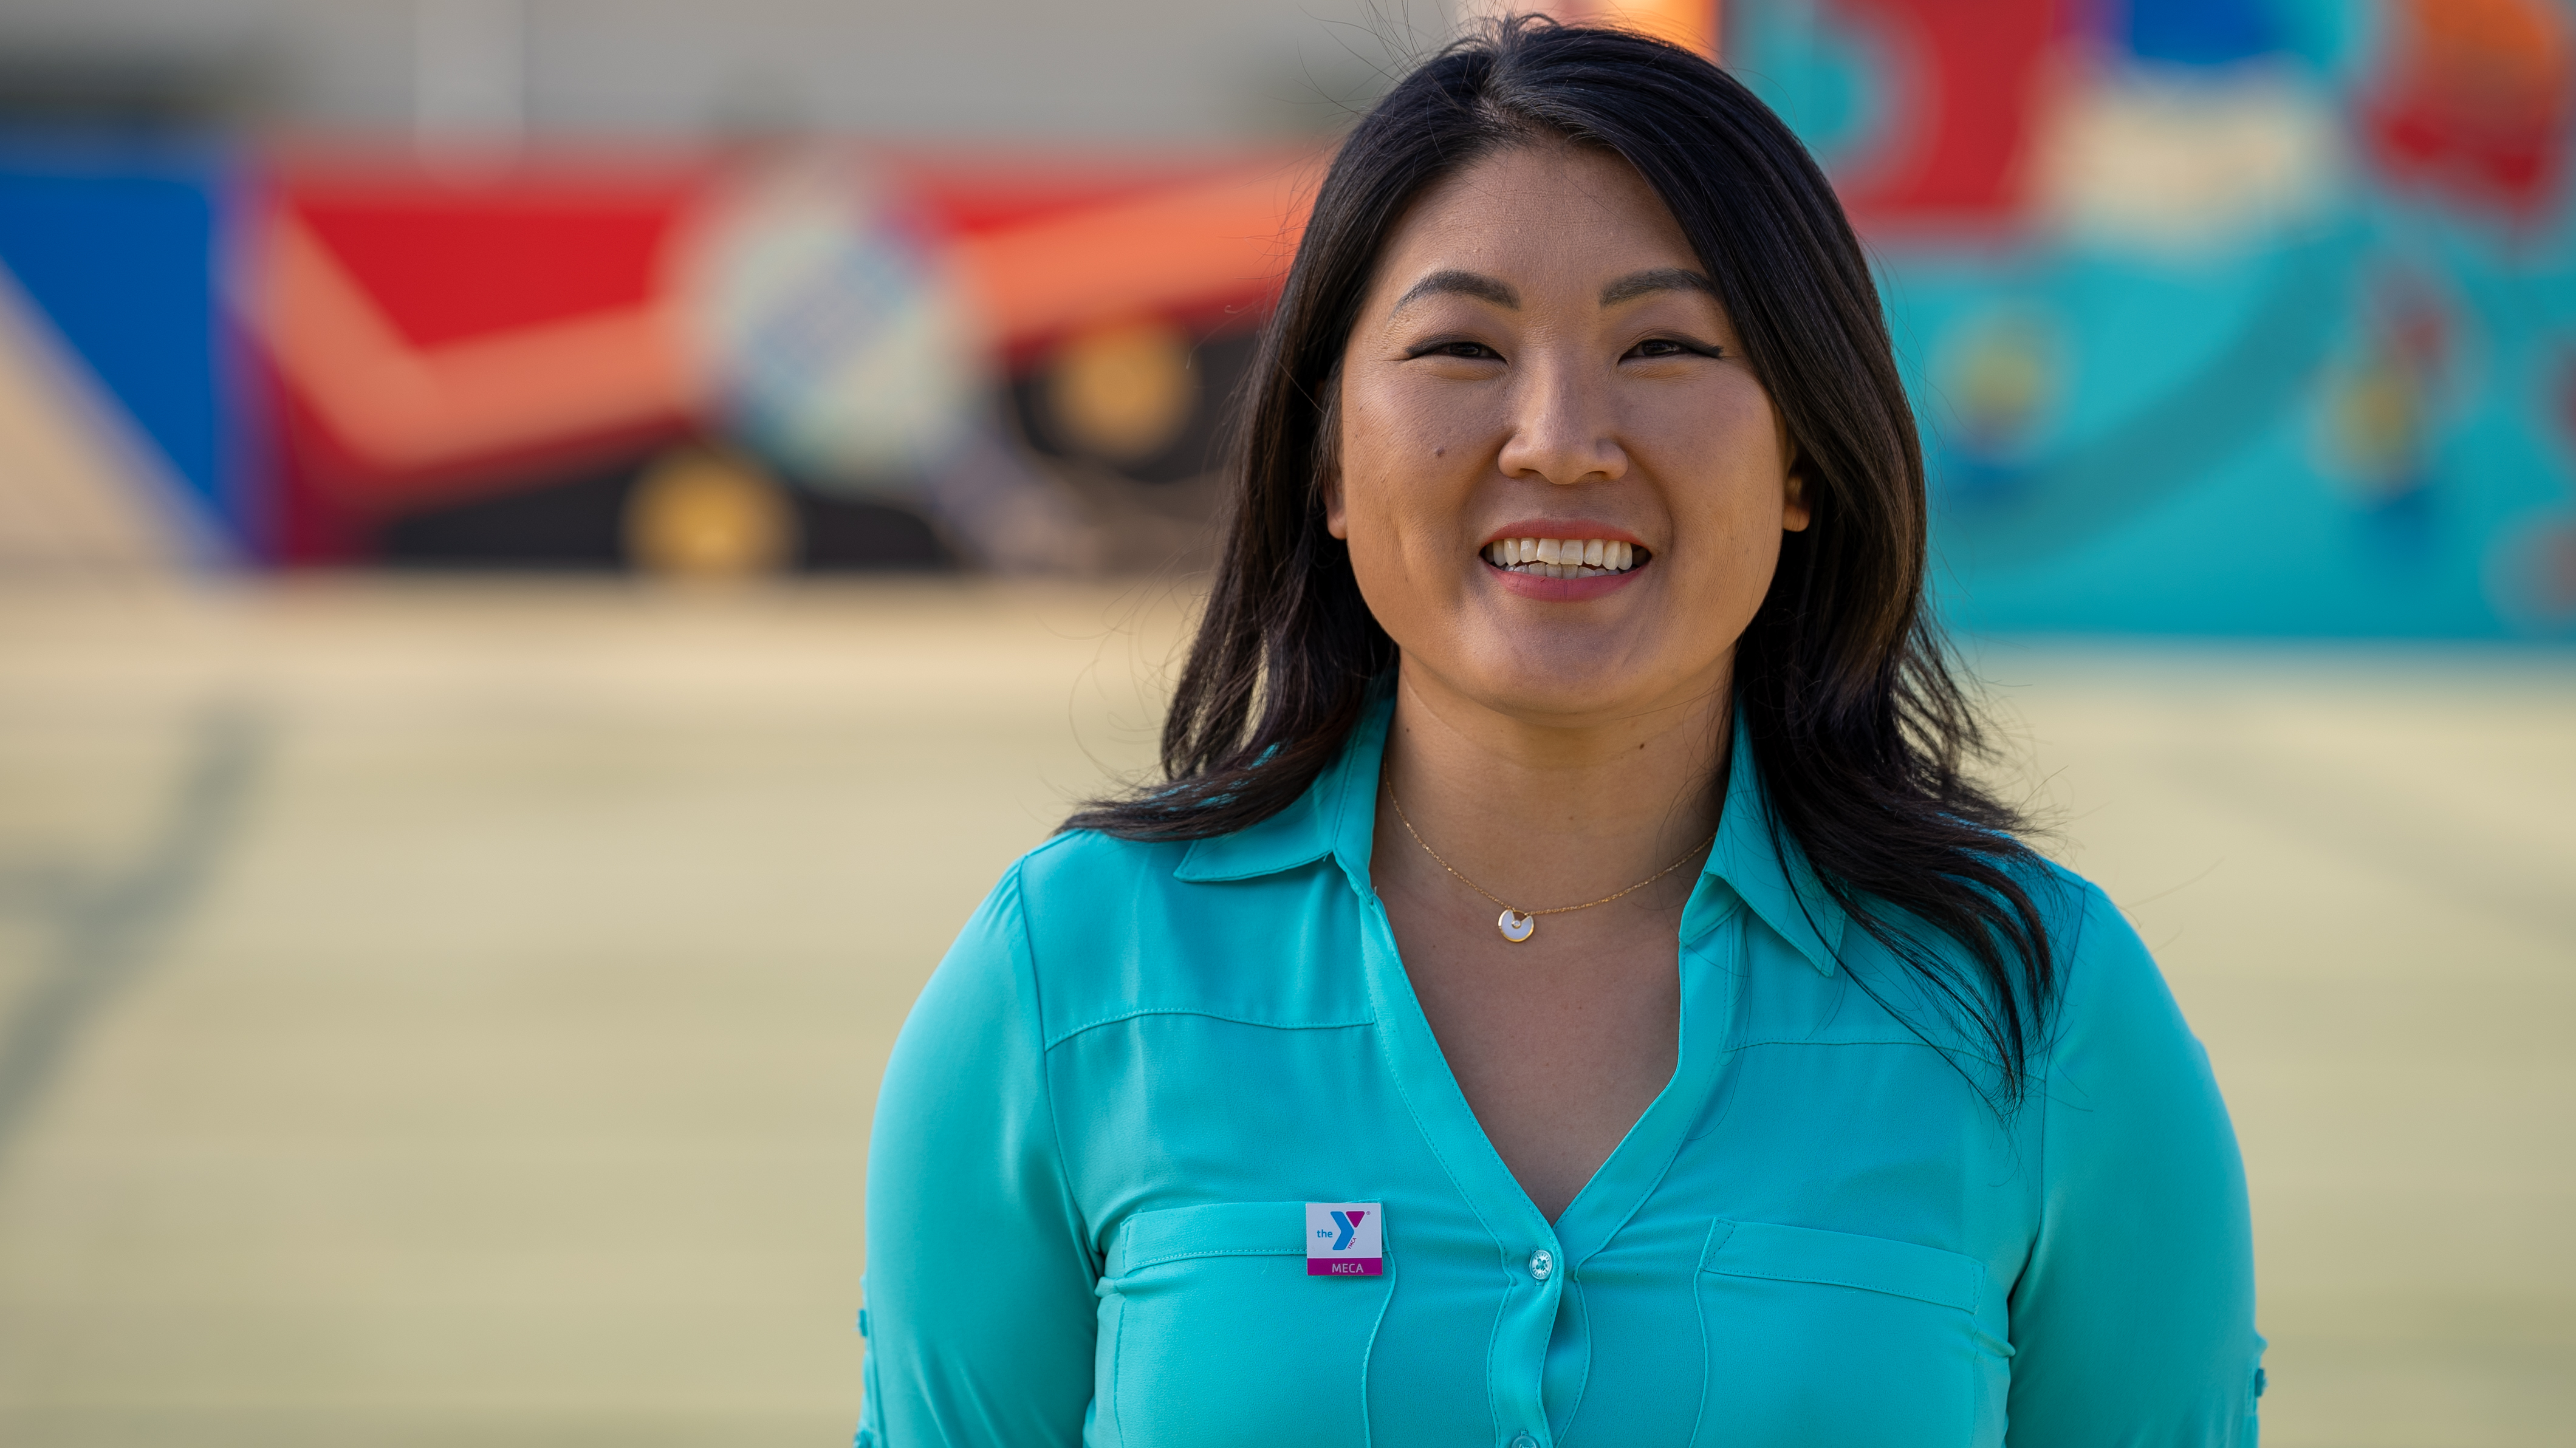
2102	977
2069	906
1083	889
1078	885
2117	1038
2105	975
2103	1025
1103	929
1072	870
1930	975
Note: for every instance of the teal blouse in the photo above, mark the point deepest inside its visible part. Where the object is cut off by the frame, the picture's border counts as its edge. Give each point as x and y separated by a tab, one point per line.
1103	1127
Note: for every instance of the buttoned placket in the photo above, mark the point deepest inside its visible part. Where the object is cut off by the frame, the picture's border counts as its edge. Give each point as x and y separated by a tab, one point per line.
1539	1260
1748	874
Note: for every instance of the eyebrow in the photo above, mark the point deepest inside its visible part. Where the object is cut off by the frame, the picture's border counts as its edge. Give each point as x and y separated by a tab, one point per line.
1661	279
1462	283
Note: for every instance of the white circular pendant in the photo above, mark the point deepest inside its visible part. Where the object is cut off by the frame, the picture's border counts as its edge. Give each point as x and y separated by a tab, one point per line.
1515	926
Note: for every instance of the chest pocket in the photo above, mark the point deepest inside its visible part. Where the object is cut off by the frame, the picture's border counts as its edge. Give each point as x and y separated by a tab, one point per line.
1211	1333
1839	1340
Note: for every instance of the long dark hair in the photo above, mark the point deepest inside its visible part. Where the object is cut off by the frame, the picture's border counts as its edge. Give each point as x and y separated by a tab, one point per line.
1861	730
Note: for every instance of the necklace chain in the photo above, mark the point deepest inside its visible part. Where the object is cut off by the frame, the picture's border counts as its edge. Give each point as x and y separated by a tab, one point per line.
1407	822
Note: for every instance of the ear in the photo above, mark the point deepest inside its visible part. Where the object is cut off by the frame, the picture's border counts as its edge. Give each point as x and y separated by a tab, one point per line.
1328	466
1794	512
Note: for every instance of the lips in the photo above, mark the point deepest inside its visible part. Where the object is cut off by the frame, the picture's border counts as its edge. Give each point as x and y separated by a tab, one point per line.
1573	576
1564	560
1564	557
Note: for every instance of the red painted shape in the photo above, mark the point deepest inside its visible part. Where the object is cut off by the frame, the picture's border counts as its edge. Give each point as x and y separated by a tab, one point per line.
447	259
2474	99
1970	76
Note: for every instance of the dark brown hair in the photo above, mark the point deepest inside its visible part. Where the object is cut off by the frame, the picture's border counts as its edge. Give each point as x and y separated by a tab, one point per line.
1861	729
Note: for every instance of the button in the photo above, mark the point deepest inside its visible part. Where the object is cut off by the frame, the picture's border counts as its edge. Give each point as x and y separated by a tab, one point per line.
1542	1266
1525	1440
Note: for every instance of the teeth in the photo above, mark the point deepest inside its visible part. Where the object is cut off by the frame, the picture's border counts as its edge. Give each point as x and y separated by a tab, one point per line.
1561	557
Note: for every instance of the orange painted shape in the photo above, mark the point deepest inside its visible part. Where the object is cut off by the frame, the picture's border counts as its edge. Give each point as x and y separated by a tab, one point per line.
2476	95
1209	242
411	410
1691	24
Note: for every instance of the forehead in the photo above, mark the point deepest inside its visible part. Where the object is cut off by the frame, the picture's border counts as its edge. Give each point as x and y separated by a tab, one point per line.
1530	212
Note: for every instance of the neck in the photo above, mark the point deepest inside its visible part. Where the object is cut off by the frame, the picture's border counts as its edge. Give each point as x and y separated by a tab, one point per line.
1550	811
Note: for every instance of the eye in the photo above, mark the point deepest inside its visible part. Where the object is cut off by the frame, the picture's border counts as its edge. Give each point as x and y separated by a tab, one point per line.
1459	348
1670	347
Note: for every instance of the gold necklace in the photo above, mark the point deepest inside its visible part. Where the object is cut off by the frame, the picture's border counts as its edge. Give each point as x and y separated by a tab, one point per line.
1519	925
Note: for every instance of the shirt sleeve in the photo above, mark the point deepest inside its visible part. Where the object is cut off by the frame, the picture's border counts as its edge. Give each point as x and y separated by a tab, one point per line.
2133	1320
979	1315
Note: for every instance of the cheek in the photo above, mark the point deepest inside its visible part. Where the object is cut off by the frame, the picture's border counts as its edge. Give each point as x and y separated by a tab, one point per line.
1403	476
1406	480
1724	456
1387	429
1727	491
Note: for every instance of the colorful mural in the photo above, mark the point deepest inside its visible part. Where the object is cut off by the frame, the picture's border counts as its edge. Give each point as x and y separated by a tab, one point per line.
2224	317
893	359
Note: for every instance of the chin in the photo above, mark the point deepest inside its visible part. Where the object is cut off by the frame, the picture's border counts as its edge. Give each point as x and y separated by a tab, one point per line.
1565	680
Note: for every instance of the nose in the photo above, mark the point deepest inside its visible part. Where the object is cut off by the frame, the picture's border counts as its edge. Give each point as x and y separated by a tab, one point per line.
1563	428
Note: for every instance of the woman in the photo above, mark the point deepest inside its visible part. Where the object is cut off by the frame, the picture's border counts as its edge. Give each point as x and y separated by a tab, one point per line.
1577	571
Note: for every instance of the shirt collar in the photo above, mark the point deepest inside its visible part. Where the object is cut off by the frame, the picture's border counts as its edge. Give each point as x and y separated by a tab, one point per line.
1337	817
1773	880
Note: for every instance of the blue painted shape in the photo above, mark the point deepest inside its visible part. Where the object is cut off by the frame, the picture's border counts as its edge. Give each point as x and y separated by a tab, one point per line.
2200	32
118	242
1830	81
2185	487
2171	374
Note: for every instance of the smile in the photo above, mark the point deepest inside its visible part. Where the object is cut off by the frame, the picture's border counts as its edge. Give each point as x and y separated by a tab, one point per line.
1564	557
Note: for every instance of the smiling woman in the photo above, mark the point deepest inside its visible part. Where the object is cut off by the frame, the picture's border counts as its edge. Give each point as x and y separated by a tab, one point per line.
1580	524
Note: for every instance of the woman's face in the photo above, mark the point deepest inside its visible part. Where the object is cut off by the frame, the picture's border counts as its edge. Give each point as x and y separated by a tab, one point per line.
1540	357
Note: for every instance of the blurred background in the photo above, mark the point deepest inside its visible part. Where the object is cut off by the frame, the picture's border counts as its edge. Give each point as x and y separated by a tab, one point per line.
551	549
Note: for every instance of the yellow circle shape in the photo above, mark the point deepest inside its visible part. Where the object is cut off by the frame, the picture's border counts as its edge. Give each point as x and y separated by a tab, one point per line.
696	514
1122	393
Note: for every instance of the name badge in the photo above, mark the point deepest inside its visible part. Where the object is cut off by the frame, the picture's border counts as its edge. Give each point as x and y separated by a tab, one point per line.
1345	1239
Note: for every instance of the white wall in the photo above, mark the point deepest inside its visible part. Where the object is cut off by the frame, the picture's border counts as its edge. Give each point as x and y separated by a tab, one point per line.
1170	71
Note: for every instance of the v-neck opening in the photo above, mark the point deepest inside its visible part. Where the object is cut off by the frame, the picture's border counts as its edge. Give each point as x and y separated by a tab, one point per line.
1425	1081
1429	1085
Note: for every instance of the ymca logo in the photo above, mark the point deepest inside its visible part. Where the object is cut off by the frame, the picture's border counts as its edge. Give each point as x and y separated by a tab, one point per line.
1345	1239
1348	1222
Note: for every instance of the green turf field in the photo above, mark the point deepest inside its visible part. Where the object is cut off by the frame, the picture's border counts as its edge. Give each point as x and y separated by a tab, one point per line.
435	1013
